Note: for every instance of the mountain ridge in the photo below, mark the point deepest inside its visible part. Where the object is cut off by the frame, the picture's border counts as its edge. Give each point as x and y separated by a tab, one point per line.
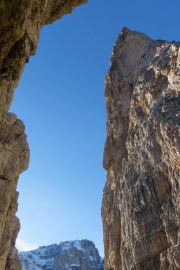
68	255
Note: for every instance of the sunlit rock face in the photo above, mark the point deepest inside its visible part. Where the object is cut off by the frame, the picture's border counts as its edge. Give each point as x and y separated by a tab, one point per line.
20	22
141	201
69	255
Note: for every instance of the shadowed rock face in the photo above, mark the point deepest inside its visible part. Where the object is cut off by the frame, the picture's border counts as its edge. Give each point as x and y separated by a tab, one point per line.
20	23
14	157
141	201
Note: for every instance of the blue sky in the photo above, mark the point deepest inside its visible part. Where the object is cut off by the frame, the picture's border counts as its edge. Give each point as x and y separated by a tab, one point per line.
60	98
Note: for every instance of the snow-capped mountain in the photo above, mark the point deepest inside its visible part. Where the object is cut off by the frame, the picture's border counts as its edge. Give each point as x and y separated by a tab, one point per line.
69	255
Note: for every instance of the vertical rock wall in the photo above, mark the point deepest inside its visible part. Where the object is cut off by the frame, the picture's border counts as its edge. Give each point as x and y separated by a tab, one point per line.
141	201
20	23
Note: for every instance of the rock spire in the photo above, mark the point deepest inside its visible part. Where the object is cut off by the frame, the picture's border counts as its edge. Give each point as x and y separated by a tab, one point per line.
141	201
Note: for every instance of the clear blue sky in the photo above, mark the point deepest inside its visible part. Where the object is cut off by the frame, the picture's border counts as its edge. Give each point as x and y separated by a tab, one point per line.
60	99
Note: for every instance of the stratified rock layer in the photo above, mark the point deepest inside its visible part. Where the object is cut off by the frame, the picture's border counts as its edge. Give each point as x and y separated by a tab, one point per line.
141	201
20	23
69	255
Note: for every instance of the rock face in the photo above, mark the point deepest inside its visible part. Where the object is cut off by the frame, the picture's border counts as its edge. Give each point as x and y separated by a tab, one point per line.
14	157
141	201
70	255
20	22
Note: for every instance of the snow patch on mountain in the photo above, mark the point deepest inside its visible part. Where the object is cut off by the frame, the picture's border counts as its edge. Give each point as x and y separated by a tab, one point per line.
69	255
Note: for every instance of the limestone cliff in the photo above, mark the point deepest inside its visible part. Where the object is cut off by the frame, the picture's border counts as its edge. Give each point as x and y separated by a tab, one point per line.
20	23
141	201
69	255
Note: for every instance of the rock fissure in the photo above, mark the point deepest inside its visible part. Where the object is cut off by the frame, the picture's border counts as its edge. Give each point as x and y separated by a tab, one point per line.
140	209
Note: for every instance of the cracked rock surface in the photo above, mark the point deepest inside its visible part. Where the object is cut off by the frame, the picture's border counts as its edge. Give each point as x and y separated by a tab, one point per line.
20	24
141	201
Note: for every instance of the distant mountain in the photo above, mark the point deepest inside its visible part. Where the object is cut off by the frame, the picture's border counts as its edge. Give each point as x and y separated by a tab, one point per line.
69	255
